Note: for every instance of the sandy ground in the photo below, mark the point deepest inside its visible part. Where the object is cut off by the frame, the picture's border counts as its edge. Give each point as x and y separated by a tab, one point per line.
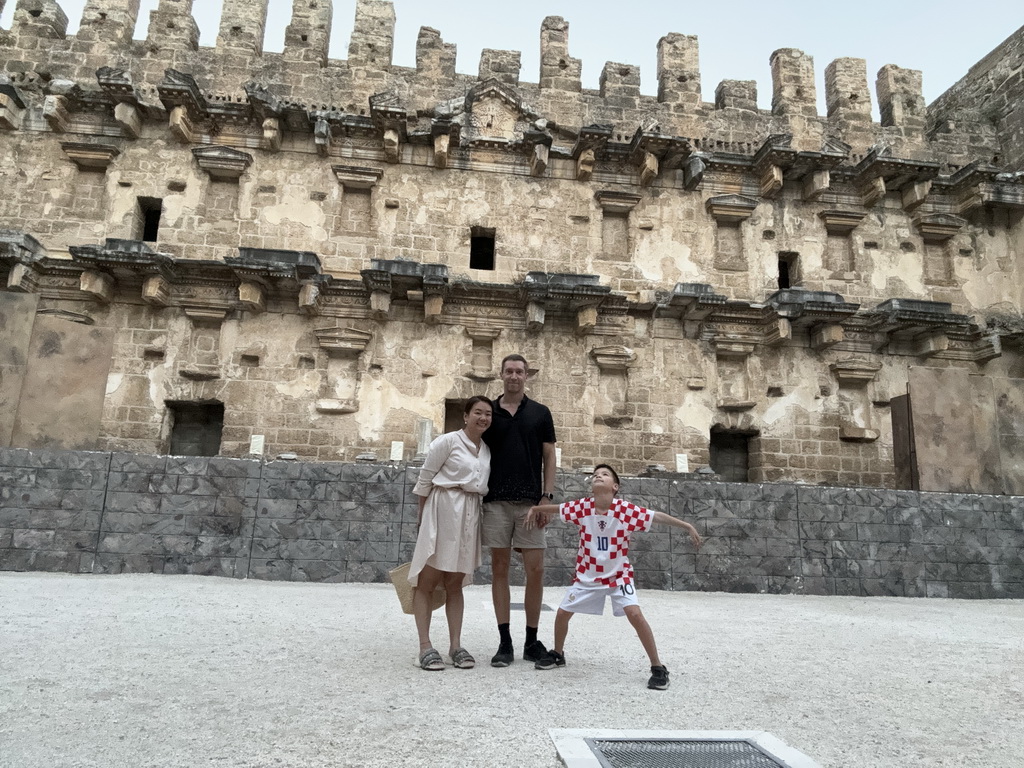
139	670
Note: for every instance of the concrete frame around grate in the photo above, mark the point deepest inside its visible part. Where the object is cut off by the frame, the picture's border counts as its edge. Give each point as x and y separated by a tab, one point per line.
574	752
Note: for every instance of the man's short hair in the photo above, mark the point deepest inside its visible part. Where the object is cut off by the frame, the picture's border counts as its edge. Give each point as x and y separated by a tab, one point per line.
515	358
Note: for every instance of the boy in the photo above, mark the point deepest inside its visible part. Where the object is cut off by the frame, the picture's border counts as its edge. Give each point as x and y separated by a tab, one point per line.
602	566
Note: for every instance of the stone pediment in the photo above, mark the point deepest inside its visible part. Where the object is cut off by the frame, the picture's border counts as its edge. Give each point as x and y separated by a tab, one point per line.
495	111
224	163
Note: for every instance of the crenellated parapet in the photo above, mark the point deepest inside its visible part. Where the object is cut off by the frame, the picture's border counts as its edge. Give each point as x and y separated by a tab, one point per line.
303	75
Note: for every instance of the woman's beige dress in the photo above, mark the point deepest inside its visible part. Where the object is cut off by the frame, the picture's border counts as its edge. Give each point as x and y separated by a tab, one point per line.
454	480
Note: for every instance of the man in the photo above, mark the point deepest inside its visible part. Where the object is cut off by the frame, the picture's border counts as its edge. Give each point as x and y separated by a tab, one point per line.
522	442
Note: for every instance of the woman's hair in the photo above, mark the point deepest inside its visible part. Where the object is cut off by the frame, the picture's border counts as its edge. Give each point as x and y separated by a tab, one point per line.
473	401
609	468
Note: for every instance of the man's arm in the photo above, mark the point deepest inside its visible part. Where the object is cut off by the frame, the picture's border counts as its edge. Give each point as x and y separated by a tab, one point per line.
661	517
549	468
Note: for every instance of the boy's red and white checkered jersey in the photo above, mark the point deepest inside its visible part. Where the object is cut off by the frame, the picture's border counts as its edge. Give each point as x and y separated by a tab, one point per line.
602	560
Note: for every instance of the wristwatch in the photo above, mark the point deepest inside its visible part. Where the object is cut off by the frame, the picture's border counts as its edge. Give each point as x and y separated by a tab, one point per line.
548	496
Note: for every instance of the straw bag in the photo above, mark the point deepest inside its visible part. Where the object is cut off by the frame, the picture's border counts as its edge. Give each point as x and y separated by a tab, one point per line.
400	578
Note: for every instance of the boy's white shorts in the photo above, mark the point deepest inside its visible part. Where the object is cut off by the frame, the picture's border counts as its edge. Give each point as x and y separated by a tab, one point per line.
590	600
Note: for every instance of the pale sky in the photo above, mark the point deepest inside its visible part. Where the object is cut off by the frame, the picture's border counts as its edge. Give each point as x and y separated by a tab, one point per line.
942	38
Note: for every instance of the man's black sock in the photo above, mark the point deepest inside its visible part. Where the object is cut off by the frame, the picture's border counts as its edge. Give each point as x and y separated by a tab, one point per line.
506	635
531	635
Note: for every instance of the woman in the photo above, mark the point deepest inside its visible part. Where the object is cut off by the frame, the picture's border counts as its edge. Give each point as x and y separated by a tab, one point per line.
451	485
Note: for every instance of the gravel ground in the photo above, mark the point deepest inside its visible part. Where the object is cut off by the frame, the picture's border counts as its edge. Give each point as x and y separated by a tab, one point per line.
142	670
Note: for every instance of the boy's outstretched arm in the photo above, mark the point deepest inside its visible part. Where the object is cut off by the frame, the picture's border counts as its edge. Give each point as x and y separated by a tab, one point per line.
661	517
540	515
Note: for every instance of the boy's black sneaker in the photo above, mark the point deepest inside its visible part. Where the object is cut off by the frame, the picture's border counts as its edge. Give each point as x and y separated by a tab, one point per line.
659	679
504	656
552	660
534	651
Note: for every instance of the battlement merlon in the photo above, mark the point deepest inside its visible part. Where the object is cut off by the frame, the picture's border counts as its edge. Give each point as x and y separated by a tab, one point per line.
558	70
111	22
679	70
173	27
373	35
243	24
307	37
38	18
434	57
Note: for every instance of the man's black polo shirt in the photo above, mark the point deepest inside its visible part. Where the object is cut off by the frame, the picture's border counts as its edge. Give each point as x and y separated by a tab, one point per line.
517	451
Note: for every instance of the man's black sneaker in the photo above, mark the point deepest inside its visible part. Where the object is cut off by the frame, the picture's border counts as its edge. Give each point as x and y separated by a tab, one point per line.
534	651
552	660
659	679
504	656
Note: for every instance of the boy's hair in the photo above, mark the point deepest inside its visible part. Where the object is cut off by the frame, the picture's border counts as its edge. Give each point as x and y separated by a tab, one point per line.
610	469
516	358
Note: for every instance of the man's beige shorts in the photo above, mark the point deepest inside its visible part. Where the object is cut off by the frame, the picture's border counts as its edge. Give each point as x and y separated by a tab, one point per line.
503	526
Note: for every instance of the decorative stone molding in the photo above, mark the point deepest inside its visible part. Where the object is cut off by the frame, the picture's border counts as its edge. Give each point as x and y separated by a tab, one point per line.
938	227
222	163
730	209
879	172
617	202
90	157
343	342
613	358
841	222
357	177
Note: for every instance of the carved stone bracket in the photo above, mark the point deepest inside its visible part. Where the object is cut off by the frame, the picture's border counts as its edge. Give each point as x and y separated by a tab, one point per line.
776	162
978	185
580	295
12	106
391	120
445	135
97	285
57	112
879	172
590	145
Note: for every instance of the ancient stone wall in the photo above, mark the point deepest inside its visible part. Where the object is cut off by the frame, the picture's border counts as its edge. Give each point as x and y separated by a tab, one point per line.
335	250
124	513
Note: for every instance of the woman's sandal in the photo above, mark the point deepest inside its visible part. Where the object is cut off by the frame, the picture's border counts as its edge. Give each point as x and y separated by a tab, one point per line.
431	661
462	659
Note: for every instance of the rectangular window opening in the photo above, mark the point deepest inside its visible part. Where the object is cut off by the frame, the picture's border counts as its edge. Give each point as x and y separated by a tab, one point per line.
196	428
481	248
453	415
788	264
150	208
730	454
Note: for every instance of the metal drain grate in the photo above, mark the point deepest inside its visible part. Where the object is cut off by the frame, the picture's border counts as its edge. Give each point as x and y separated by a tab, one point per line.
680	753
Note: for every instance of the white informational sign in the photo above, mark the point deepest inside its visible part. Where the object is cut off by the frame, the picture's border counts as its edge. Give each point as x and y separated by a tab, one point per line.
558	457
397	450
682	462
256	445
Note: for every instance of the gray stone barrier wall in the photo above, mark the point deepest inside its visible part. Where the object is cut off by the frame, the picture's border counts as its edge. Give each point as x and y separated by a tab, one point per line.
84	512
